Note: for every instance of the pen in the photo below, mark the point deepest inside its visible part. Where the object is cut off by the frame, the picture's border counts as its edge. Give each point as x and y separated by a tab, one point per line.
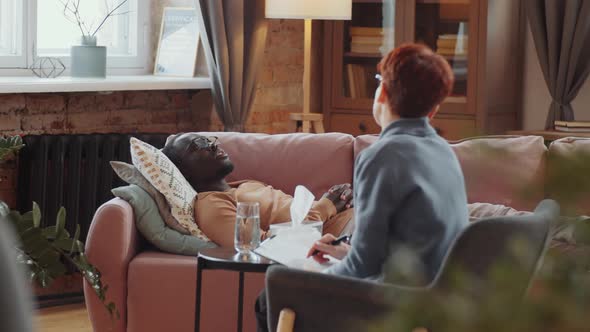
343	238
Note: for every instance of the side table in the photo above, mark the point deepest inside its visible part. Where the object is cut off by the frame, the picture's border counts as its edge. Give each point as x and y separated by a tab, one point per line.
227	259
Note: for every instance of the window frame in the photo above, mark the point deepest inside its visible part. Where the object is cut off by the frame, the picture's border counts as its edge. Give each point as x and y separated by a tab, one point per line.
134	64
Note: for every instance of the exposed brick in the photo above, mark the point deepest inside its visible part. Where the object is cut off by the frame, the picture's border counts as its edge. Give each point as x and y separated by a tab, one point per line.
44	123
287	95
180	100
107	101
9	122
284	58
202	102
81	102
290	74
164	117
87	122
45	103
12	102
136	99
265	78
159	100
129	117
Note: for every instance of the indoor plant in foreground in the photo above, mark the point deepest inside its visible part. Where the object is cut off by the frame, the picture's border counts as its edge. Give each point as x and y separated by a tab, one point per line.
45	251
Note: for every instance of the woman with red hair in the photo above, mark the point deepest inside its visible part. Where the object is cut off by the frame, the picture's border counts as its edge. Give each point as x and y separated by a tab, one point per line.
409	195
410	200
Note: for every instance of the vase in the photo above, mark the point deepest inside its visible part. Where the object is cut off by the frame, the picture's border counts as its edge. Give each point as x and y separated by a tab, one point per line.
88	60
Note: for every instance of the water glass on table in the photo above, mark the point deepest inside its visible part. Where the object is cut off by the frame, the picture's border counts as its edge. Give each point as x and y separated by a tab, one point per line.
247	231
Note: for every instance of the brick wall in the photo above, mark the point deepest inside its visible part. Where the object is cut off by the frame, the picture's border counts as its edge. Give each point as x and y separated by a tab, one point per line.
116	112
280	90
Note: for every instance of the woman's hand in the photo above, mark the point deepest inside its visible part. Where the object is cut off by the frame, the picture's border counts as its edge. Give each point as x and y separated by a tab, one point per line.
323	248
341	196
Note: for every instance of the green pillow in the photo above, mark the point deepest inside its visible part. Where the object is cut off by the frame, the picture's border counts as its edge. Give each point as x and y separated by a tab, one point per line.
151	225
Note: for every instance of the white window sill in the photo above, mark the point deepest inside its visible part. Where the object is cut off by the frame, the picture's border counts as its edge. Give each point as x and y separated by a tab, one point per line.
111	83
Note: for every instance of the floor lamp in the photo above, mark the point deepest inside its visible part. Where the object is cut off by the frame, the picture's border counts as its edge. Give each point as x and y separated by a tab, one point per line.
308	10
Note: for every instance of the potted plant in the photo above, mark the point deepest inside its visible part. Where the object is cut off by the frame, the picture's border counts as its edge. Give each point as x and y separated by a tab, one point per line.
46	250
88	59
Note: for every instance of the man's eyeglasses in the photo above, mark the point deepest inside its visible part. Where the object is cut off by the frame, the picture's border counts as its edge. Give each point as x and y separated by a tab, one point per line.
206	142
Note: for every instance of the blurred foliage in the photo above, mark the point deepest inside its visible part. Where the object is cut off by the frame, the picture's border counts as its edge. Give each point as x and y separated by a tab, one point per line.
9	146
559	296
45	250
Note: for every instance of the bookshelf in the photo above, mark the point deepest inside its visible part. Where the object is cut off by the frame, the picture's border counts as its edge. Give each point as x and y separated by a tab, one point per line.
481	40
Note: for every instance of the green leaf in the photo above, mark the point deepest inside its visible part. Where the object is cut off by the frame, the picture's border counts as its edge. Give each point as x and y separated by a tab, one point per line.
60	222
36	215
75	244
50	232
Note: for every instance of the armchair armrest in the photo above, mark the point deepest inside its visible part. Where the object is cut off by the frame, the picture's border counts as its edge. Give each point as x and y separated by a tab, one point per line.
328	303
112	242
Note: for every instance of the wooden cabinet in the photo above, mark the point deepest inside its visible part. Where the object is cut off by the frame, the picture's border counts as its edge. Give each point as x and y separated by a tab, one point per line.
481	40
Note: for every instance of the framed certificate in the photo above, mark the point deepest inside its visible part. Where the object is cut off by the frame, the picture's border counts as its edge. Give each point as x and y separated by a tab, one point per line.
178	43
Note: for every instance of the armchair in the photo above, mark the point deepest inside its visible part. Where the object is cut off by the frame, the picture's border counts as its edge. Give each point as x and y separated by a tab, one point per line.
332	303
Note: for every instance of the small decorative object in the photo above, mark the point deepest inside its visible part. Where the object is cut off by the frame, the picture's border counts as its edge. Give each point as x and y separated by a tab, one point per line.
47	67
88	59
178	43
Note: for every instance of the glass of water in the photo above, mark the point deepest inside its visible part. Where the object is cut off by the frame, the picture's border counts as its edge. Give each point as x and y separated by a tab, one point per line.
247	231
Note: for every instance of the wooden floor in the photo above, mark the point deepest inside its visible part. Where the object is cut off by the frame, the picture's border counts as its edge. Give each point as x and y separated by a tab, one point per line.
68	318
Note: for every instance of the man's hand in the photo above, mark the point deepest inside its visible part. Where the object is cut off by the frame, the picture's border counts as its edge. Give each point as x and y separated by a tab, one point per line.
325	248
341	196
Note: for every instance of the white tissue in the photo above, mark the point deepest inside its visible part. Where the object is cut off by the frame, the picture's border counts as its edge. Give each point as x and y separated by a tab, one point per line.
302	202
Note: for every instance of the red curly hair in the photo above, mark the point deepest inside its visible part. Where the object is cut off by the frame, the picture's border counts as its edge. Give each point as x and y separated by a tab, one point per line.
415	80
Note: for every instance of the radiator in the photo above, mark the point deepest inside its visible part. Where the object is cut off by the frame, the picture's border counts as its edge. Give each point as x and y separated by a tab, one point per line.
72	171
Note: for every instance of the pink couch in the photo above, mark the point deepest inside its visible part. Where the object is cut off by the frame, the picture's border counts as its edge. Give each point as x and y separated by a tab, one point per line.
155	291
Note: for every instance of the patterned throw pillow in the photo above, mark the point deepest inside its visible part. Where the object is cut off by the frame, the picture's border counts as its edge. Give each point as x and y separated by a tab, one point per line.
164	176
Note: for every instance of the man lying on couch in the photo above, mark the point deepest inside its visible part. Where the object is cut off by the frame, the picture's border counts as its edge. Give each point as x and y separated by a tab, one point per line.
205	166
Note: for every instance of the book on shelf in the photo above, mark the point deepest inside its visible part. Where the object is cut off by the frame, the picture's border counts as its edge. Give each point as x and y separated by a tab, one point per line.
573	129
572	124
450	43
372	40
451	52
357	81
366	31
351	87
365	48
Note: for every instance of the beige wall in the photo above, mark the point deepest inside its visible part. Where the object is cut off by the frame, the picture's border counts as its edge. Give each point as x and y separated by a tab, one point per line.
536	97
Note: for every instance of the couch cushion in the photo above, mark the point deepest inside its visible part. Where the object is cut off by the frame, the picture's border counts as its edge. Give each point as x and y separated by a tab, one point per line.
568	174
504	170
162	289
317	161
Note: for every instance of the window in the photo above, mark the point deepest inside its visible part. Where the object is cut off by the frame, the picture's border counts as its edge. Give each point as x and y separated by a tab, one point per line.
11	34
46	31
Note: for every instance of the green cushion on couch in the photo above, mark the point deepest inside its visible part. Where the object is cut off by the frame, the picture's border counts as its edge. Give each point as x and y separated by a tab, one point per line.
151	225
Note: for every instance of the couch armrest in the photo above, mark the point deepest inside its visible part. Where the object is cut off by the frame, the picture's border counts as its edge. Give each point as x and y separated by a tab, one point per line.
112	242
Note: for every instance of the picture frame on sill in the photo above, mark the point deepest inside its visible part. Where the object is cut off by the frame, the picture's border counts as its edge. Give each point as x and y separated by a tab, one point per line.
178	43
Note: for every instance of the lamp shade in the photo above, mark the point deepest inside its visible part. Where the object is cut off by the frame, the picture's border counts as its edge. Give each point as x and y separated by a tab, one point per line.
309	9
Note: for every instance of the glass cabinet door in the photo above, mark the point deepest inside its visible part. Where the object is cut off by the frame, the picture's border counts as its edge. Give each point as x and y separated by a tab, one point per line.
445	26
359	45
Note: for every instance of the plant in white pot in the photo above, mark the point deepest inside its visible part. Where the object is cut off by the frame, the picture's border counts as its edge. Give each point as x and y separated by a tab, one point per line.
88	59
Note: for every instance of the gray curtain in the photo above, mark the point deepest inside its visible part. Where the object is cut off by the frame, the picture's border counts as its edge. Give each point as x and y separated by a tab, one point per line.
561	31
234	37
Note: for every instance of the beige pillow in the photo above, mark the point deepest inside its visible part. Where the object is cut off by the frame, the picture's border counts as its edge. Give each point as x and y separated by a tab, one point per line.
131	175
167	179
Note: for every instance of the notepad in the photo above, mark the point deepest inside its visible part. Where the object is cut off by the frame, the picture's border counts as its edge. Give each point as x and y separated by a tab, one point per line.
290	247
